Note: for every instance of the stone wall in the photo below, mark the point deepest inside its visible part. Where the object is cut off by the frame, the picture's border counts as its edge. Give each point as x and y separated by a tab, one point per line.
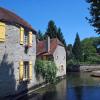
11	52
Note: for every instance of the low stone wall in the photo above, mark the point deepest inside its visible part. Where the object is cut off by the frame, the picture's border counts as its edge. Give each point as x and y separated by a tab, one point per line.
90	68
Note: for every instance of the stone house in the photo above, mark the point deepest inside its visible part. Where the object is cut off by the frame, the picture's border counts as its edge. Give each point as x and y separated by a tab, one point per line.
17	54
53	50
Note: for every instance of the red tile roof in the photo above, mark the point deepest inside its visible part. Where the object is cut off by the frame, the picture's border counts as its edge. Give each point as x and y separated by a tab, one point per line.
8	16
41	47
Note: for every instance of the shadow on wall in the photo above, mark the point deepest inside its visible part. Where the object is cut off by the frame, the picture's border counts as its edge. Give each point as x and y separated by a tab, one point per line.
7	78
8	81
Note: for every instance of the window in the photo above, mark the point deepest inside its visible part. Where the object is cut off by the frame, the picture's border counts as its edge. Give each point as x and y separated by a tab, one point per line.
44	57
25	37
25	70
2	32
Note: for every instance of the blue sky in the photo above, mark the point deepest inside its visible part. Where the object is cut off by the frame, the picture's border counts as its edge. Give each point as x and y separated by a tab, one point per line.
67	14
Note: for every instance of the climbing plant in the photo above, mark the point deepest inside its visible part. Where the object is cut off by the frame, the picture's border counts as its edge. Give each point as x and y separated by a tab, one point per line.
47	69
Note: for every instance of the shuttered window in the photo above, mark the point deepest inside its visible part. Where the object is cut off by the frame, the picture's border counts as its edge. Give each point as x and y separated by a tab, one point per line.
30	39
2	32
30	70
21	70
21	35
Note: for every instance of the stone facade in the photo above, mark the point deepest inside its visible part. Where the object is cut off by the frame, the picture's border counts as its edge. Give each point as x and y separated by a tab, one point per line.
11	52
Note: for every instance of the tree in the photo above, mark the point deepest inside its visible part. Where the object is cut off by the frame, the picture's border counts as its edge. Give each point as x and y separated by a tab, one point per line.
77	49
60	36
54	32
51	30
40	36
88	48
95	14
69	51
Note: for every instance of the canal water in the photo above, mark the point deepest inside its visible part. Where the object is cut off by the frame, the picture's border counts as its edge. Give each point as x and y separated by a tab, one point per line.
50	92
81	86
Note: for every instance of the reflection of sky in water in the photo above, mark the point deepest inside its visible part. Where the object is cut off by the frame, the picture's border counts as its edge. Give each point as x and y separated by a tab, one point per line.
83	87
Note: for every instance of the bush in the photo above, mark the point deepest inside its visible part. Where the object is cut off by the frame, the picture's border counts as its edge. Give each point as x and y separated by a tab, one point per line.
94	59
47	69
73	66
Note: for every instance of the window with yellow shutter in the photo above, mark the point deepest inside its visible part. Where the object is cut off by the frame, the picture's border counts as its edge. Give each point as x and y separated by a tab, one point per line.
30	70
25	70
2	32
21	35
30	39
21	70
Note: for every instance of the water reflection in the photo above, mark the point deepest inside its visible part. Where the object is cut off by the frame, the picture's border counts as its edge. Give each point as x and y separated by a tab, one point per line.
81	86
57	92
51	92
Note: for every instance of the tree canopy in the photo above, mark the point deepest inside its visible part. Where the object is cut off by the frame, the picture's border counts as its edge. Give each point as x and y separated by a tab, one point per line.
77	50
94	10
54	32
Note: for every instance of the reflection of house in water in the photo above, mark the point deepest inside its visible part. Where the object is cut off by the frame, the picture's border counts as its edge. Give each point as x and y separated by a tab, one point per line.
17	53
53	49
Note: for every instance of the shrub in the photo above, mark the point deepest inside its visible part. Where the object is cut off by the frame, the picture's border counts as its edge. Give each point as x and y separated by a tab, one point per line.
47	69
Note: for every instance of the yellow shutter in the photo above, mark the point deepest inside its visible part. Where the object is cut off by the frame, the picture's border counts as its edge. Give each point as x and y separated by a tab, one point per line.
30	70
21	70
2	31
21	35
30	39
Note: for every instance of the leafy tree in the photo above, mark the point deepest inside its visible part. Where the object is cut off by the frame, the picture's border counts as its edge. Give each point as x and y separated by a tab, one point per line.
77	49
89	48
95	14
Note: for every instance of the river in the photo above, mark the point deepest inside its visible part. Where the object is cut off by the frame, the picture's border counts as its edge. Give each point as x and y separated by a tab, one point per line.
81	86
50	92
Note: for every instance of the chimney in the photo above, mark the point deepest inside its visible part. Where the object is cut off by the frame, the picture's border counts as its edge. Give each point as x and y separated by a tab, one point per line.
48	43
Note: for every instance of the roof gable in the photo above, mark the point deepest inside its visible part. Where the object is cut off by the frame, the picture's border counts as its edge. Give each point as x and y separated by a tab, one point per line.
41	46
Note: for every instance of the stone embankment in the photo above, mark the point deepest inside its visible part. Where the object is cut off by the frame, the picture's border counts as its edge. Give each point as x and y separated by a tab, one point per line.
89	68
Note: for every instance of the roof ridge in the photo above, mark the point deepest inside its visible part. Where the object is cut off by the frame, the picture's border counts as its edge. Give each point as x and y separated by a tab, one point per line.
10	16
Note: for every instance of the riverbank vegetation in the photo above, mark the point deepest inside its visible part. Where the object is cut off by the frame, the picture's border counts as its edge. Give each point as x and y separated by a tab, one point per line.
85	52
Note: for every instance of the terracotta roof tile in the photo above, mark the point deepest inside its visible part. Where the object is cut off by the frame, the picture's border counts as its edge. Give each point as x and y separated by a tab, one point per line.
8	16
41	47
